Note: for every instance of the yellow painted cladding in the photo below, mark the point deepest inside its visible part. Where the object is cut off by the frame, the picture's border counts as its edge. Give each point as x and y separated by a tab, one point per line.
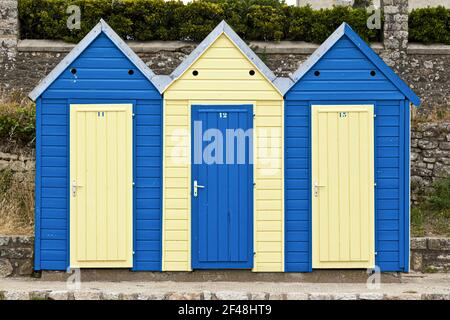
223	78
101	182
343	187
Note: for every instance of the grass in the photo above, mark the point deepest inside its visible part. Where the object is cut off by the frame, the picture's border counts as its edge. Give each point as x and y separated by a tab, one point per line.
16	203
432	216
432	115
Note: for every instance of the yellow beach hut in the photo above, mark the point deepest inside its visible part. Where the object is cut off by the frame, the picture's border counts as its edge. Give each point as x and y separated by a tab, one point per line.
223	160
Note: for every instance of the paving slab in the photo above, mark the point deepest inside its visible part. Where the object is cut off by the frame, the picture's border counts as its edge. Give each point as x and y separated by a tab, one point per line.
412	287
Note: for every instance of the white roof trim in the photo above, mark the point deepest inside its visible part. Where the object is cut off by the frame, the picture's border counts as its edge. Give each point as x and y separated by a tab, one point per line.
102	26
223	28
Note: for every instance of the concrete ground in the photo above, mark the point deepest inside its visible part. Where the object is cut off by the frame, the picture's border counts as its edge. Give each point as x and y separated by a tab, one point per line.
412	286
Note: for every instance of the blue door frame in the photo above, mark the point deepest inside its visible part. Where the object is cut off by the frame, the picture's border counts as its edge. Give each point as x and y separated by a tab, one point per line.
222	211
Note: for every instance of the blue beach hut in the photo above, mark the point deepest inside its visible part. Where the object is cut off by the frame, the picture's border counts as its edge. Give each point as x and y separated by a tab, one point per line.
98	159
347	133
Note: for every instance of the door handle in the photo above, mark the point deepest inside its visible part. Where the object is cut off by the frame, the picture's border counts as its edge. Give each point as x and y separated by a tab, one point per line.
316	188
74	188
196	187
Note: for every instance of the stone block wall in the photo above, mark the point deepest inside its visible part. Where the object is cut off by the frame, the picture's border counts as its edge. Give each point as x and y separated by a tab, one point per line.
430	254
430	156
17	162
16	255
9	35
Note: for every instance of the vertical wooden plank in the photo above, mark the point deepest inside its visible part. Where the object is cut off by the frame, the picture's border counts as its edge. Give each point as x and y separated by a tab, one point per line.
234	180
90	223
112	172
243	197
101	186
343	176
80	178
222	198
333	205
120	240
354	173
364	190
203	178
322	179
128	114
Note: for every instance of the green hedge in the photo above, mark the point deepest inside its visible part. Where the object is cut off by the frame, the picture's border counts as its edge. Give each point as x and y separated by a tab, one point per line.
173	20
430	25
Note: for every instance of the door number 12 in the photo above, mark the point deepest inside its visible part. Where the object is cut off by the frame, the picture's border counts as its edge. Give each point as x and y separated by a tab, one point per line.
223	115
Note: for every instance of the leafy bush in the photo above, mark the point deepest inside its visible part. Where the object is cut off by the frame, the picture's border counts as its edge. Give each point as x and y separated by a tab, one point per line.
159	20
430	25
17	123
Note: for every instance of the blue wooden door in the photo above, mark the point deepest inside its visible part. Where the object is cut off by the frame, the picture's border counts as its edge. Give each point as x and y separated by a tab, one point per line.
222	187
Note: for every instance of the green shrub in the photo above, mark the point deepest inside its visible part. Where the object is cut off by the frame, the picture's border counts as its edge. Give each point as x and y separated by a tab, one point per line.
159	20
430	25
17	123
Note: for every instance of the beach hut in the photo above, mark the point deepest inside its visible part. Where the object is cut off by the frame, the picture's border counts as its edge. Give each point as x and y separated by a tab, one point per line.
223	160
347	153
98	159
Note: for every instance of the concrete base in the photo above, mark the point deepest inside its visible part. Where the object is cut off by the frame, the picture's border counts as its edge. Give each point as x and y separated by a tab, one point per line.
317	276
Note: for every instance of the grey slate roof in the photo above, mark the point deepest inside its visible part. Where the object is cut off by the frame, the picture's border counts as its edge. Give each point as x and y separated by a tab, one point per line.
102	26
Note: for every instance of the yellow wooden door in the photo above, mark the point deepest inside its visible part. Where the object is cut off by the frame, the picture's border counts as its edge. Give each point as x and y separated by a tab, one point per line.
343	186
101	186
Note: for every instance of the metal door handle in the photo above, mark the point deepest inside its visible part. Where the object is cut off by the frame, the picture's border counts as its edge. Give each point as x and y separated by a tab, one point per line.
316	188
196	187
74	188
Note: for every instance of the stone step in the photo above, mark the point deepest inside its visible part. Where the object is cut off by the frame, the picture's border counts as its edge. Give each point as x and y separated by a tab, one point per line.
210	295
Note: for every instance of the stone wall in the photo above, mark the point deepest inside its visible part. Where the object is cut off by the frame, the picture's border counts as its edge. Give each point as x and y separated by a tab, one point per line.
17	162
430	254
430	155
9	36
16	255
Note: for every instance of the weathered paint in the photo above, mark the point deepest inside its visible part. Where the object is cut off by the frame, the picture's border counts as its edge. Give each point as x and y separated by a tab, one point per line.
223	78
101	178
102	80
343	221
344	65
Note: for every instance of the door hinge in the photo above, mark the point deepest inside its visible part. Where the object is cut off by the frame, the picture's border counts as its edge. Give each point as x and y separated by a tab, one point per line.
374	115
375	184
254	115
133	115
133	184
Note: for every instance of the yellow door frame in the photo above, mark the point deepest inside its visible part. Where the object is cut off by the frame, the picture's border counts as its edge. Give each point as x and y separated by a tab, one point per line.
349	237
93	244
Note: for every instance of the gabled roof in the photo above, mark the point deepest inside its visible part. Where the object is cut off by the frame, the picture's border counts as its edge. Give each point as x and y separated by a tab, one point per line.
346	30
223	28
101	27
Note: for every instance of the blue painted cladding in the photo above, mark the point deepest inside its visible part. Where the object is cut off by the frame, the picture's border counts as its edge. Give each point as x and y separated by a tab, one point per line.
345	79
297	186
105	81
